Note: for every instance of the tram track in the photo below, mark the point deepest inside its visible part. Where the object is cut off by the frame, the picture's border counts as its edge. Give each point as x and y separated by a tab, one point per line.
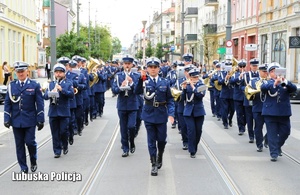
100	163
11	166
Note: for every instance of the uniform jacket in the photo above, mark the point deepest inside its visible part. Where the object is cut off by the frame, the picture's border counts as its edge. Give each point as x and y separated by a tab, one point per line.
227	89
157	115
245	81
73	78
100	86
172	77
279	104
130	102
62	106
180	106
29	109
238	93
194	107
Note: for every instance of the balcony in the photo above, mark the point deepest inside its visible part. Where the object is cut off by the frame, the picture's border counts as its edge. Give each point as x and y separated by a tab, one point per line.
191	12
214	3
190	38
210	29
166	31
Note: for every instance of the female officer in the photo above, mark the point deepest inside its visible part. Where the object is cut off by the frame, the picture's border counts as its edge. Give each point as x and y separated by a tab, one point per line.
193	93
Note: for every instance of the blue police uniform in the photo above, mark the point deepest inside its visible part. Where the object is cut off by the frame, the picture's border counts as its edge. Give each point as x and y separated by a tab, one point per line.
127	106
159	104
188	57
257	100
248	104
99	89
226	99
59	112
277	111
194	112
164	70
238	98
214	78
23	110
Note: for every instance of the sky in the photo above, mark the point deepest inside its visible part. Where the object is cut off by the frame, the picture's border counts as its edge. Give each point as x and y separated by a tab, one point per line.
124	17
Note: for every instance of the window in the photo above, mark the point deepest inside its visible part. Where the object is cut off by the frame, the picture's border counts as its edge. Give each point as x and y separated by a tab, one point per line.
279	48
167	39
264	48
168	25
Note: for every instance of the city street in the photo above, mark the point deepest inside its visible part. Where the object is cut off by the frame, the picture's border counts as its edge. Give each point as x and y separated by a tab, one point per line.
225	163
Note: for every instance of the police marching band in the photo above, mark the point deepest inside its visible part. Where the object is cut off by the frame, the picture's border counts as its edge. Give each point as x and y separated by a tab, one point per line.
155	94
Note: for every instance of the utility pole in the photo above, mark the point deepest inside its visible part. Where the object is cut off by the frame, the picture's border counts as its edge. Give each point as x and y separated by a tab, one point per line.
52	37
78	18
144	45
182	29
228	25
89	26
161	22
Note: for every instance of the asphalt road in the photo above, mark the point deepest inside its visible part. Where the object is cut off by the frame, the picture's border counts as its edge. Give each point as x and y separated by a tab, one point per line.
225	164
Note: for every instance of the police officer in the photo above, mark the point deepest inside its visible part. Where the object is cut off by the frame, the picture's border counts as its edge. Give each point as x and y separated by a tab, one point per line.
59	93
164	68
139	112
258	99
127	105
159	105
99	89
217	90
277	109
238	96
23	110
181	105
187	58
172	78
193	93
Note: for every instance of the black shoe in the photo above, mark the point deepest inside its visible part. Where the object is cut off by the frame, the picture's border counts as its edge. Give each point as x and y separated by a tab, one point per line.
251	140
132	147
173	126
91	119
94	117
86	123
65	151
125	154
241	133
71	141
219	119
33	167
56	155
280	152
193	155
80	133
273	159
230	123
24	171
75	132
185	147
225	127
260	149
214	115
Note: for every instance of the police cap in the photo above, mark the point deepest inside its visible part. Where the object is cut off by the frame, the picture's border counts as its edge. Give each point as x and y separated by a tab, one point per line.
218	65
215	62
263	67
228	63
128	58
194	72
189	67
59	67
242	63
153	61
63	60
187	57
254	62
77	58
272	66
73	63
20	66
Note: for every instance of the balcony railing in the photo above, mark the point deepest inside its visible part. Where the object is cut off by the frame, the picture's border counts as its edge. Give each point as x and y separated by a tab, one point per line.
191	12
211	3
210	28
190	37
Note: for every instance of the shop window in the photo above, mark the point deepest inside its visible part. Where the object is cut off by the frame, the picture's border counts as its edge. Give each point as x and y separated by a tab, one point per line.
279	48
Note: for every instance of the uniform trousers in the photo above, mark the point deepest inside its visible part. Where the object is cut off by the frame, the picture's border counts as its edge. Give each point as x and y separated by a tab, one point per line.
156	137
183	129
100	102
249	120
59	131
127	127
227	106
25	136
240	115
212	101
258	128
278	130
194	131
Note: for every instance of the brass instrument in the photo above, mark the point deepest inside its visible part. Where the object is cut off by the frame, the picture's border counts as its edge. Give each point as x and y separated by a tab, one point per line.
234	67
90	67
75	91
206	81
126	90
176	93
251	91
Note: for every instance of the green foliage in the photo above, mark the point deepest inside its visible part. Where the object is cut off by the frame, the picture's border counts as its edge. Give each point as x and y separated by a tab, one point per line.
158	51
116	45
139	54
149	50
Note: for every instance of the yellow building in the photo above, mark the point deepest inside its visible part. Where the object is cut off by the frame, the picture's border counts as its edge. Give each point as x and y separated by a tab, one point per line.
18	33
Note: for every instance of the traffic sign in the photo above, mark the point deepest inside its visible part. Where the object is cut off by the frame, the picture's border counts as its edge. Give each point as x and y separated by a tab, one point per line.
229	43
172	48
221	50
229	57
228	50
250	47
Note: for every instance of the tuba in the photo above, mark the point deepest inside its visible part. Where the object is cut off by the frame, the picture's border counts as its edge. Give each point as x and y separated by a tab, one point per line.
93	63
176	93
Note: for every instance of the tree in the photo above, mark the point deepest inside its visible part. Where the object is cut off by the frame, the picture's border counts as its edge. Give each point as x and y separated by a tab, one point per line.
139	54
116	45
149	50
158	51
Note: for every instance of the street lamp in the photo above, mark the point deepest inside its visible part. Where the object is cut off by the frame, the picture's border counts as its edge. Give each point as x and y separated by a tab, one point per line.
144	46
53	37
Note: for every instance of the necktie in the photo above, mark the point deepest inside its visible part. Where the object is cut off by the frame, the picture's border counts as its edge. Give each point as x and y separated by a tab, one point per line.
22	84
154	81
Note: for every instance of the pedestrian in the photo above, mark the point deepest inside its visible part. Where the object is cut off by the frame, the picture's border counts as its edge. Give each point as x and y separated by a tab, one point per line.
7	74
48	69
124	85
277	109
24	110
193	92
159	106
59	92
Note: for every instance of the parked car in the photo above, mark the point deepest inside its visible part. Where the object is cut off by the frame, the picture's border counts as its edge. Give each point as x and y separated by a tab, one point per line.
295	97
3	90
